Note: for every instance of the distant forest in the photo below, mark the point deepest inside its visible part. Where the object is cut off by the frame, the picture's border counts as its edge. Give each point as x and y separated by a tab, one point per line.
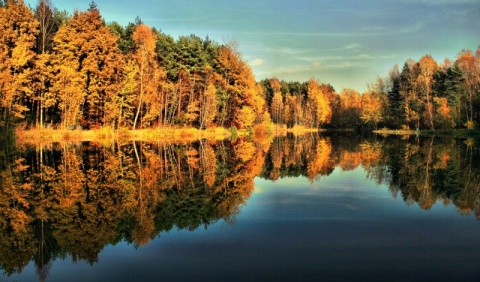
63	70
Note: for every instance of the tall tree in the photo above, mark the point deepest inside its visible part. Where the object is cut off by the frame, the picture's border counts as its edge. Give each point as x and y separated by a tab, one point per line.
319	105
408	88
47	28
69	82
238	82
351	108
427	66
18	29
145	40
45	17
455	93
42	78
123	107
208	109
470	66
86	46
371	109
394	111
276	105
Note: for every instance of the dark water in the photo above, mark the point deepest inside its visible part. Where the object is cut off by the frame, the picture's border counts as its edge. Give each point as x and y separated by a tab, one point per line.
313	208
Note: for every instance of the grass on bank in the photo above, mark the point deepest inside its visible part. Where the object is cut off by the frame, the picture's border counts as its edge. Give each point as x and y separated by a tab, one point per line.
283	130
301	130
107	135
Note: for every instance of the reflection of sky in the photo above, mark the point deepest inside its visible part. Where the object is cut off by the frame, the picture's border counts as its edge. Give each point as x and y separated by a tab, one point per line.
343	42
341	227
341	196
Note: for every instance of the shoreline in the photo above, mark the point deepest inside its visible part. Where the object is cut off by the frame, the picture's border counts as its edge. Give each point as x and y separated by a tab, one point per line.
169	134
461	133
190	134
46	135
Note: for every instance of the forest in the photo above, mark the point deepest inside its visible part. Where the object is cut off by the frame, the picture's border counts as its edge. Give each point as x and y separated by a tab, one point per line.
67	71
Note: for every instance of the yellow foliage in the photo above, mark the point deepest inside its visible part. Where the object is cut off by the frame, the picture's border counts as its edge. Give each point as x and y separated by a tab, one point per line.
320	159
244	150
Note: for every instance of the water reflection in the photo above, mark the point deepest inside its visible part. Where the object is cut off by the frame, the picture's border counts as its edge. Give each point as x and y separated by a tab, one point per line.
420	170
74	199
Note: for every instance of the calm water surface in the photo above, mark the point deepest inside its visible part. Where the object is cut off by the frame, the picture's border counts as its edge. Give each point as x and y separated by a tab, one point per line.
315	208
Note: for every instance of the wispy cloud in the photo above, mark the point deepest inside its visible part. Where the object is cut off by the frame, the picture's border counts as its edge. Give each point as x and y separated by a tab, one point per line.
279	50
289	70
309	68
353	46
257	62
361	32
358	57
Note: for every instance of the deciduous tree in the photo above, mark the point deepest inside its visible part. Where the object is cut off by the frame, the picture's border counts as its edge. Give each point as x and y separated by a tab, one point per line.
427	66
144	39
18	29
319	105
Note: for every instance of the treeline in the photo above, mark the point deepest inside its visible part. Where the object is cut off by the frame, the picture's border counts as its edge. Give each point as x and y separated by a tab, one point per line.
423	95
429	95
78	70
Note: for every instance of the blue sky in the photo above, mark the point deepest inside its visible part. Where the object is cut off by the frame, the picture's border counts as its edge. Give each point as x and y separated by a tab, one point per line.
346	43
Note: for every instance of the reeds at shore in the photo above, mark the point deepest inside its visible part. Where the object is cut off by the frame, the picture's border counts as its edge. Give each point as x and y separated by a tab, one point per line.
108	135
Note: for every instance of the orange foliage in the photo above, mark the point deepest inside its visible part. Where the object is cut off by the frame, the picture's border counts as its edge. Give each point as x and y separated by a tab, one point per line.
350	160
18	29
244	150
209	164
320	160
320	105
370	154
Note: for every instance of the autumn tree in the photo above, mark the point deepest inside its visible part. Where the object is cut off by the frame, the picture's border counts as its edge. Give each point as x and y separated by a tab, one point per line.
18	29
149	74
88	69
277	104
102	65
239	84
371	109
44	100
122	107
350	108
319	105
68	80
427	67
209	106
426	94
470	66
44	15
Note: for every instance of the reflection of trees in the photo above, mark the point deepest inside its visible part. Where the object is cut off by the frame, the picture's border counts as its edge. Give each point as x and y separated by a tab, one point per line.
422	170
75	199
318	163
426	170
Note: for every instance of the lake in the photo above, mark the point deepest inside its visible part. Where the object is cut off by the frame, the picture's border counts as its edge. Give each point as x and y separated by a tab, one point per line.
308	208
